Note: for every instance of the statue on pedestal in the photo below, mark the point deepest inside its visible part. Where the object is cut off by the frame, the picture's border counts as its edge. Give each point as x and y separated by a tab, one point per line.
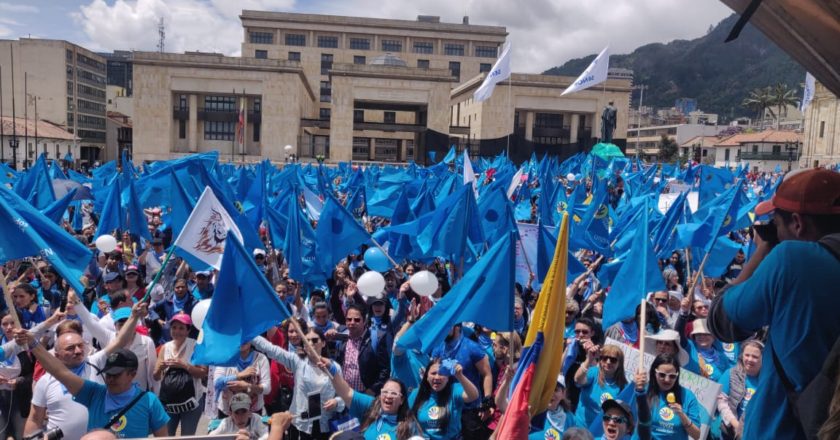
608	122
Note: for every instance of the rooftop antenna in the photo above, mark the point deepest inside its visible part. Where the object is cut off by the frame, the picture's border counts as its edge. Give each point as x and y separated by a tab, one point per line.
161	34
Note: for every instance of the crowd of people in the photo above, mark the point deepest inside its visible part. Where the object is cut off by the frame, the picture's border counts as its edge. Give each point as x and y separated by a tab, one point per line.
115	359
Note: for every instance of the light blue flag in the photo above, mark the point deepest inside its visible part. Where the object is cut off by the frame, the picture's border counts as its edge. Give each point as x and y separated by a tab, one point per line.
450	156
56	210
546	245
337	234
35	185
182	205
453	225
243	306
713	182
28	233
638	275
483	296
111	217
496	215
291	243
136	221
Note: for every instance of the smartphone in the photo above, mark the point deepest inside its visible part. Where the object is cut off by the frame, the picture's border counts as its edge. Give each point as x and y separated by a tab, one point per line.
767	232
313	403
341	337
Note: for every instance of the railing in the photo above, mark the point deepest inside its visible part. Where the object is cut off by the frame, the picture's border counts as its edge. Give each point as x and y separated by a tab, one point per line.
765	155
319	123
388	127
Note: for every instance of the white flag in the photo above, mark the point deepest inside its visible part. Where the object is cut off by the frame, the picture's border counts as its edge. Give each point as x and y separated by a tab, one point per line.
807	93
514	183
499	72
596	73
469	174
204	234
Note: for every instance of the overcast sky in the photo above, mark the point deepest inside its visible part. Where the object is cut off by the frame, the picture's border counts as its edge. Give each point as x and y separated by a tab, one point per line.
544	33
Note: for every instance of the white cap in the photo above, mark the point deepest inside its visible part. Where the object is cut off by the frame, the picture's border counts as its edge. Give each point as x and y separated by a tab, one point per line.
259	251
570	177
561	380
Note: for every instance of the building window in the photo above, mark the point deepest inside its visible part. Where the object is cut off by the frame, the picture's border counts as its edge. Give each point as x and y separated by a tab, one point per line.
69	55
324	41
295	40
182	102
320	146
777	149
262	37
548	120
424	47
755	148
294	56
324	114
182	129
358	59
390	117
409	150
485	51
219	130
257	105
387	150
822	128
423	64
220	103
484	67
326	63
361	148
391	46
453	49
455	69
326	91
256	132
358	116
261	54
705	152
726	154
360	43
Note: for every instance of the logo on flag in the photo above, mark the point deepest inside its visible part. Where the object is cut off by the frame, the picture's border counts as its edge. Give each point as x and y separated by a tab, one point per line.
213	234
594	74
202	240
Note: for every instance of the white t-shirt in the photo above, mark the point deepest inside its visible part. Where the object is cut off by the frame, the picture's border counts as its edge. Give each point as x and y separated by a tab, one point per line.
62	411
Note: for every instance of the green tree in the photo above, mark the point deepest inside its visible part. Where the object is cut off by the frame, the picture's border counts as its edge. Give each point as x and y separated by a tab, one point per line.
758	100
668	149
782	96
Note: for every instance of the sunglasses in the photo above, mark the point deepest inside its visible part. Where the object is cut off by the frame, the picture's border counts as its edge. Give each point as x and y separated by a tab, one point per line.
610	359
669	376
616	419
353	319
314	340
660	299
581	332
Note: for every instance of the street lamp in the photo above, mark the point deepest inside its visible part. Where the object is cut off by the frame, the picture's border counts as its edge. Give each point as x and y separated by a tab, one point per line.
14	142
790	150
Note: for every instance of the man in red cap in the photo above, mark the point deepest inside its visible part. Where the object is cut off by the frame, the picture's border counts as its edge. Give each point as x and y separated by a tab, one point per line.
791	286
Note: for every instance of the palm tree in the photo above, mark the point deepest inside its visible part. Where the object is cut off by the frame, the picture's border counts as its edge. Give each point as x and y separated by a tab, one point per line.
759	100
782	97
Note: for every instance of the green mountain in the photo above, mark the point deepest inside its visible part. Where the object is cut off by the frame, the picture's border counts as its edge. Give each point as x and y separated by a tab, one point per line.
719	75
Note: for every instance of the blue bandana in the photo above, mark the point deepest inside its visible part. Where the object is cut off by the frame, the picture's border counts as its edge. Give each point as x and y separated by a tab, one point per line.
115	402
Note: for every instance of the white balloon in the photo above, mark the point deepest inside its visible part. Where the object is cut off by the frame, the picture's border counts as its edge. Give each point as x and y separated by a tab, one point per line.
371	283
288	148
424	283
106	243
199	312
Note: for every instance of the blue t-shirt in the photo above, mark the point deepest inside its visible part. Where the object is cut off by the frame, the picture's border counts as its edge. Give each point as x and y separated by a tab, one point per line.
731	351
431	413
31	319
384	428
144	418
554	426
592	395
468	353
712	369
665	424
794	291
751	386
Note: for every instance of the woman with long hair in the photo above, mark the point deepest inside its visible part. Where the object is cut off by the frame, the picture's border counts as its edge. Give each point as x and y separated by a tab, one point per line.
309	380
134	284
738	385
558	415
15	383
385	416
674	410
600	378
26	303
438	402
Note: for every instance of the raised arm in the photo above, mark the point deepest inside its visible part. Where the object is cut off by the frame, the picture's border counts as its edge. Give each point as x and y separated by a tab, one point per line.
127	332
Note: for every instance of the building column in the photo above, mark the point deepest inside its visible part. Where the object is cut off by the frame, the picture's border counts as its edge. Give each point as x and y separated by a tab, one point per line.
192	125
529	126
573	128
243	149
372	149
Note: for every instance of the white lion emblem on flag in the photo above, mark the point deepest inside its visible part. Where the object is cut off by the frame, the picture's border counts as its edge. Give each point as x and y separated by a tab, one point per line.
212	235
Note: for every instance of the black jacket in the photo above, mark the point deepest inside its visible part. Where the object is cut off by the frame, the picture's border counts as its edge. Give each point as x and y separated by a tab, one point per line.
374	365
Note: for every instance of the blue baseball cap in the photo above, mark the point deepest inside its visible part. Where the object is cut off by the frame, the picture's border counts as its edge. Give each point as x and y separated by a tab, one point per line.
121	313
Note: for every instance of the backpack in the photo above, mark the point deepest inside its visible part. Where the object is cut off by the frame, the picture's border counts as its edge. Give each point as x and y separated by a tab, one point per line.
177	391
810	407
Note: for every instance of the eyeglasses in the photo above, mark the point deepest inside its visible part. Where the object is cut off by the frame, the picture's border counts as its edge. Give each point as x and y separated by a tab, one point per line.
314	340
388	393
616	419
669	376
610	359
660	299
353	319
701	307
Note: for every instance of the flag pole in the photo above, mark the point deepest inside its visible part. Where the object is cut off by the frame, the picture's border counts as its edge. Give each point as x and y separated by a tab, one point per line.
642	328
159	273
513	113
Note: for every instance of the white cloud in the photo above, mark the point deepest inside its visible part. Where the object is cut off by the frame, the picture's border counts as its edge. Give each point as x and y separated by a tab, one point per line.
13	8
5	32
211	26
544	33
